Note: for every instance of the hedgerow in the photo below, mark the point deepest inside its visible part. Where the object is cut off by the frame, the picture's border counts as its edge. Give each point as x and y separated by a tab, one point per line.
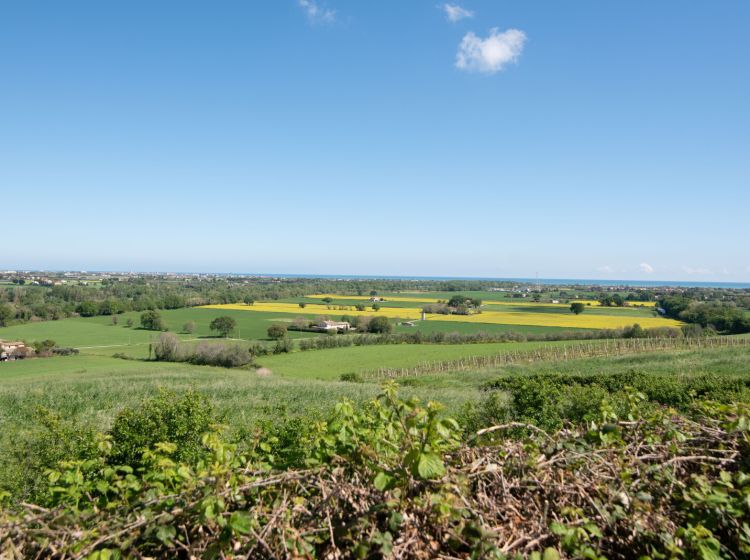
550	400
397	479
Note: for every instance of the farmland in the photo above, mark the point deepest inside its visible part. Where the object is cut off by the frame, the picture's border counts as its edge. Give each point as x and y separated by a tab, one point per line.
522	314
478	366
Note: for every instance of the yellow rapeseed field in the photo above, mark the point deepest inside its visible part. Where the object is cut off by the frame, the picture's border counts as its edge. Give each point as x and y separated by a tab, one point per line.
562	319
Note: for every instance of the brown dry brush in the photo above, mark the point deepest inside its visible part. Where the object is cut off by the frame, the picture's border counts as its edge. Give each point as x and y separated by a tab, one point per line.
617	490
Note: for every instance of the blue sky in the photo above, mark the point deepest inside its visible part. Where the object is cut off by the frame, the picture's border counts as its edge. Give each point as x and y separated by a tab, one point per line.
585	139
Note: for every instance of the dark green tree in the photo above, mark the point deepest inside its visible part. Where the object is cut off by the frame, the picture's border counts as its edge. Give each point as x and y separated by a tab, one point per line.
577	307
152	321
223	325
87	309
6	314
276	332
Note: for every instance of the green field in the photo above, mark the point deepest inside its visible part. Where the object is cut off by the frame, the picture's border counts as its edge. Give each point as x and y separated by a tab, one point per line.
330	364
92	332
93	388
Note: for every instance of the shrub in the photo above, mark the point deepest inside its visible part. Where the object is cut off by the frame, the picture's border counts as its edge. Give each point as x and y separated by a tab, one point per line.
380	325
65	351
276	331
189	327
283	345
258	349
49	440
152	321
168	417
223	355
168	348
223	325
44	348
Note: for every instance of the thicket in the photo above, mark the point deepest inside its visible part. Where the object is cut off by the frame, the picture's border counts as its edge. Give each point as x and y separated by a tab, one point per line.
721	316
397	479
169	348
550	400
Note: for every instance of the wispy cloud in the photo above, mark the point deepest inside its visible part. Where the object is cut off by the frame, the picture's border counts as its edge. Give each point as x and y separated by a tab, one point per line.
455	13
490	55
606	269
646	268
316	13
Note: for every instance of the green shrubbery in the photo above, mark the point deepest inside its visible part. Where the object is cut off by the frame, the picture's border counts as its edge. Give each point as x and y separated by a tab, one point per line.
550	400
181	420
169	348
395	478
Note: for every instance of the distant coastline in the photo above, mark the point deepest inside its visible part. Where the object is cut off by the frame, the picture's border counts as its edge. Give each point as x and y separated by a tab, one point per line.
544	281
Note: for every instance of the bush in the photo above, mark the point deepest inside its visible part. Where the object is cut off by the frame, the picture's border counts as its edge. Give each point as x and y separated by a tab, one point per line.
49	440
550	400
276	331
380	325
43	348
152	321
168	348
283	345
222	355
223	325
168	417
258	349
352	377
65	351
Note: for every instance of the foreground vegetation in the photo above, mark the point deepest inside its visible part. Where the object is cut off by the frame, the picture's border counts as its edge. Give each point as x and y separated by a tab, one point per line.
393	479
225	462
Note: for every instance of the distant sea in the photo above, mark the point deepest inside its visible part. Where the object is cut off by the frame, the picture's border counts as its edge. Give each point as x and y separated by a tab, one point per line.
545	281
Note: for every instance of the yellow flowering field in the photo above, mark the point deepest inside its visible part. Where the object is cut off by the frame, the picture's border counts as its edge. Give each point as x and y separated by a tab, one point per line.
569	320
367	298
562	319
321	309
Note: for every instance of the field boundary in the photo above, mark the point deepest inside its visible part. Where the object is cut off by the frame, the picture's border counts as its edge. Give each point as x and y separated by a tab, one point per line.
591	349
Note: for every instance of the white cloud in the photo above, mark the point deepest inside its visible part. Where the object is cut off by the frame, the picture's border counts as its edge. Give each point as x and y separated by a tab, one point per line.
606	268
455	13
490	55
646	268
317	14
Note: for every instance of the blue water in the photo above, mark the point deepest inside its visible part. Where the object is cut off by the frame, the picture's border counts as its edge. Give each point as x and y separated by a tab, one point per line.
544	281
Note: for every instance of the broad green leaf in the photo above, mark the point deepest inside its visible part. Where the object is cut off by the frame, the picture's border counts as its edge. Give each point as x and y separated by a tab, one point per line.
239	521
383	481
430	466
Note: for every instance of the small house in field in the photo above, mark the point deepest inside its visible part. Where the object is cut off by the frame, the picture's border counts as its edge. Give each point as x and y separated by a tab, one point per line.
12	350
332	326
376	299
